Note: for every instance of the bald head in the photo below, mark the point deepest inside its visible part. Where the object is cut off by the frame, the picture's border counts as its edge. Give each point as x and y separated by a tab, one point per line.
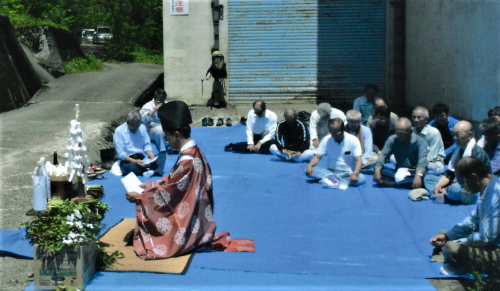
463	126
462	133
380	103
403	124
290	117
403	130
290	112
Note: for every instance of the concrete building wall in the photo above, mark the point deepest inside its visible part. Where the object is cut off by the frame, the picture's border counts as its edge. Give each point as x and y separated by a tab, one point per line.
187	50
452	55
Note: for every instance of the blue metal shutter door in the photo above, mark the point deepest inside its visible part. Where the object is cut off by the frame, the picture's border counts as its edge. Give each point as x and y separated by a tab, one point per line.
305	49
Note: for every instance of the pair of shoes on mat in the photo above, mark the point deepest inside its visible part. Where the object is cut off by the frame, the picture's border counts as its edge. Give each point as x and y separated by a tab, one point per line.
207	121
97	170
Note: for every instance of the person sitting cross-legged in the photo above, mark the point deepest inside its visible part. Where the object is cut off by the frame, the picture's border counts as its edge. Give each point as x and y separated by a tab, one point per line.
319	122
491	131
410	152
444	123
379	102
493	112
132	144
149	113
435	157
381	128
473	245
261	127
444	189
295	136
364	135
344	155
365	104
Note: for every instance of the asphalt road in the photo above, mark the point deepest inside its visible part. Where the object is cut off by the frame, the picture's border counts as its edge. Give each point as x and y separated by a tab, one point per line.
28	133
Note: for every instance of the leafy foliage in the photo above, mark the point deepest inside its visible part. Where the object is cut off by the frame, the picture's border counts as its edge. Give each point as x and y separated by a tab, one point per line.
83	65
105	260
135	23
66	223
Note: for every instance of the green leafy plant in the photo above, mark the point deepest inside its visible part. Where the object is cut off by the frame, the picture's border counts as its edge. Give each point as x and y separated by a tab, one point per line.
66	223
105	260
84	65
96	191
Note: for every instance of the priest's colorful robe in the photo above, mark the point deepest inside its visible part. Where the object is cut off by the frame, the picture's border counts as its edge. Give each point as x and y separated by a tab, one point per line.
175	214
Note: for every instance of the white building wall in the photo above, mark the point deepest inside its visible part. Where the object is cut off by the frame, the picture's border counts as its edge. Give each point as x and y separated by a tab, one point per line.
453	55
187	50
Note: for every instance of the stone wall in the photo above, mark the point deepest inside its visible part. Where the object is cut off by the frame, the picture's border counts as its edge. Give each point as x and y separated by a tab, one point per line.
51	46
18	80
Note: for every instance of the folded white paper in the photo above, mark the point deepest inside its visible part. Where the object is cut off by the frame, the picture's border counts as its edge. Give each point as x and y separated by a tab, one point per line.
131	183
401	174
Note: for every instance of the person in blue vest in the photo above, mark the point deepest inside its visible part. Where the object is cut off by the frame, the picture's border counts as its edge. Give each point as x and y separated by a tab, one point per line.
445	123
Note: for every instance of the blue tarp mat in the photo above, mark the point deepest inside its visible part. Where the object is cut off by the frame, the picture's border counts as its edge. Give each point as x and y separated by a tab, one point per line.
298	226
207	279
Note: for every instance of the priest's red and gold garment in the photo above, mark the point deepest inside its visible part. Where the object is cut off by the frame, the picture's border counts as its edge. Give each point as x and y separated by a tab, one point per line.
175	214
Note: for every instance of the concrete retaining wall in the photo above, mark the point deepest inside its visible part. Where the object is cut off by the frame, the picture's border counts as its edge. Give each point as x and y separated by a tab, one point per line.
51	46
18	80
452	55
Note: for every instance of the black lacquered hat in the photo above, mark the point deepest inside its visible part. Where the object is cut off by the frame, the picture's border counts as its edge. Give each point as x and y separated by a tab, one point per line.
174	115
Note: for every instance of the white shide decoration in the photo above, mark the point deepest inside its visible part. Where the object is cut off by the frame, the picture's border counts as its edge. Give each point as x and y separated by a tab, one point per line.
76	155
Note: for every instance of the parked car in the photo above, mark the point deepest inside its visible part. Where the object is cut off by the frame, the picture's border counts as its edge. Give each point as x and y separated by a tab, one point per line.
102	35
87	35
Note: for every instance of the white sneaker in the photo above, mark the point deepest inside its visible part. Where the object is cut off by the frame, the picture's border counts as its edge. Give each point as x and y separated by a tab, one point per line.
148	174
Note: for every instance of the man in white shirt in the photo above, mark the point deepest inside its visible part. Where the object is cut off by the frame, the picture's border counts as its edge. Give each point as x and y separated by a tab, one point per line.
344	155
261	127
435	157
150	119
319	122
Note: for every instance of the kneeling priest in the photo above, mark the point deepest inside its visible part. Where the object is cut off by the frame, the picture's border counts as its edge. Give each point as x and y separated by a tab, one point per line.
175	214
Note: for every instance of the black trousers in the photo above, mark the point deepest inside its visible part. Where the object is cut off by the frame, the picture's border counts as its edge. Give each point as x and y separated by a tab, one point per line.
241	147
